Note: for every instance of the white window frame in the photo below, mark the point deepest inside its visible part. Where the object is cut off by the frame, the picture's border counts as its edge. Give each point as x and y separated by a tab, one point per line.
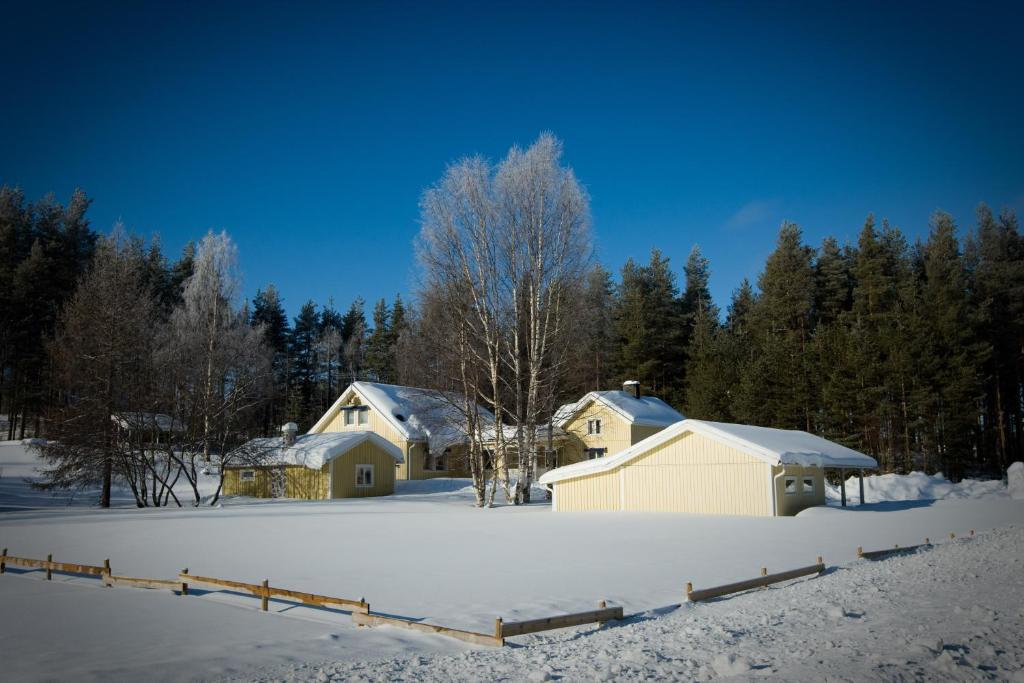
350	418
247	475
789	486
362	467
594	426
363	417
808	490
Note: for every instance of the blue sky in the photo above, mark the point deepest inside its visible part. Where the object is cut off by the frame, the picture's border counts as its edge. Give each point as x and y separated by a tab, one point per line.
309	133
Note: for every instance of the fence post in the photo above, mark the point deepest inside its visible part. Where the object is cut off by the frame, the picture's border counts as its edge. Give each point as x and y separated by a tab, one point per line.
820	561
264	602
860	551
49	567
497	628
3	563
184	585
601	605
952	536
689	589
926	541
764	571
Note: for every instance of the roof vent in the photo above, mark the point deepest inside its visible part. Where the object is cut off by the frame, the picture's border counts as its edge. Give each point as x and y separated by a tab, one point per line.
288	432
631	386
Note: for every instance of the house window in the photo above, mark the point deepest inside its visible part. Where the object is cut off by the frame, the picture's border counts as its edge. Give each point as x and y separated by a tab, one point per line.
594	453
364	476
808	486
350	417
593	426
364	416
439	463
790	485
247	475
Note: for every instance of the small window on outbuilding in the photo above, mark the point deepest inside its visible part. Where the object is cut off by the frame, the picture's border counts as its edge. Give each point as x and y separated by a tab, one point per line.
808	486
364	416
247	475
790	485
364	476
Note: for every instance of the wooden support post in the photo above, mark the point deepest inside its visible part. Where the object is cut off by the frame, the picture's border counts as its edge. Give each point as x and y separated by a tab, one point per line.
860	481
926	541
601	605
265	600
860	551
49	567
184	585
106	566
689	589
497	628
764	571
952	536
3	564
972	532
820	561
842	485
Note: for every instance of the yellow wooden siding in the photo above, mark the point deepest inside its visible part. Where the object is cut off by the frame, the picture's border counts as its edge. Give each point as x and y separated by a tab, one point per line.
257	488
343	472
692	473
615	433
792	503
303	482
689	473
589	493
299	482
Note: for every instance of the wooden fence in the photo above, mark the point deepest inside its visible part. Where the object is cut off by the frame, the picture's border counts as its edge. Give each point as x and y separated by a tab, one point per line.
764	580
360	609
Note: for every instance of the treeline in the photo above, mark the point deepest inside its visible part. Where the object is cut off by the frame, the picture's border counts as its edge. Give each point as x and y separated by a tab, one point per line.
912	353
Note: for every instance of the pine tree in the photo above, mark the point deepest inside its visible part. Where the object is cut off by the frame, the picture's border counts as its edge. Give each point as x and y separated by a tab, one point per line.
302	346
590	368
378	362
353	334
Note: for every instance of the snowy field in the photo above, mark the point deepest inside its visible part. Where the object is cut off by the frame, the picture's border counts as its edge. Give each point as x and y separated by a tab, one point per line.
426	553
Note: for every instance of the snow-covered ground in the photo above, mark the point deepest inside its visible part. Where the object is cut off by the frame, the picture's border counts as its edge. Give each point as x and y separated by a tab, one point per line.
426	553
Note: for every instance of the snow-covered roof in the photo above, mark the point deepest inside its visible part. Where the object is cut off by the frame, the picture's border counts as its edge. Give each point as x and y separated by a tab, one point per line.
773	446
140	420
313	450
417	414
646	411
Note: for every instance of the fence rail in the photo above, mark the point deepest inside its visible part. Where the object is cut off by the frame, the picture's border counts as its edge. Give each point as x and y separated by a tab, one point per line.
371	620
519	628
49	565
764	580
266	591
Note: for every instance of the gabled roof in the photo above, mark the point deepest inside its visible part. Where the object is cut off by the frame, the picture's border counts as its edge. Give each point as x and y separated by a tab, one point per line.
773	446
313	450
417	414
646	411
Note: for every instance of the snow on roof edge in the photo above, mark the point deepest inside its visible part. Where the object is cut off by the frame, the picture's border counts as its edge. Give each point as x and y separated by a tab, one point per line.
720	432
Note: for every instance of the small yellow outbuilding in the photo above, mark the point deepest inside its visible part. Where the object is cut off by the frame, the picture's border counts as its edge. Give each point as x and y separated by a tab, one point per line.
314	466
707	468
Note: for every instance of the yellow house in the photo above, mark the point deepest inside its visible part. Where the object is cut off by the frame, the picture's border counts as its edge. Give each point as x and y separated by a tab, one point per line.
424	425
605	423
707	468
314	467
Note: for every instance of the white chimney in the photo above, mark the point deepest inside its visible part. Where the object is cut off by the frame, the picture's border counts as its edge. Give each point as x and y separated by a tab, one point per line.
288	433
631	386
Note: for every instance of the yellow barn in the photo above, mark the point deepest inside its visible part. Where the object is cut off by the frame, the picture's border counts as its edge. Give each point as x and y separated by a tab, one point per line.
705	467
314	466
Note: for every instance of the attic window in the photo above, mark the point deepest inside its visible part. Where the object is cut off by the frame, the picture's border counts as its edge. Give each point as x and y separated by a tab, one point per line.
593	426
364	416
790	485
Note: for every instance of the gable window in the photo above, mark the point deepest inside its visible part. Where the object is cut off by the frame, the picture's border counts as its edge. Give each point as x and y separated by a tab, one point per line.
350	417
247	475
790	485
364	476
808	486
364	416
593	426
594	453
